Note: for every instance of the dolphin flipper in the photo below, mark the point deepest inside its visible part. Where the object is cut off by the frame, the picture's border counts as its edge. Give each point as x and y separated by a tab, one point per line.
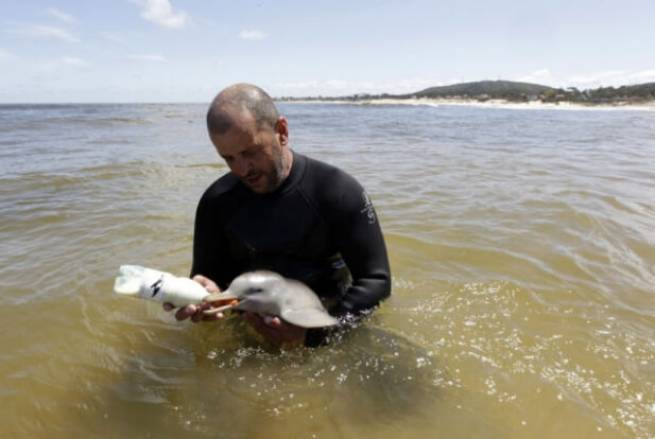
309	318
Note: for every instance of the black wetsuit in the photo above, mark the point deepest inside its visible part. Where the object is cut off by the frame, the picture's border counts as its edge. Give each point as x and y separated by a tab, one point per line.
318	227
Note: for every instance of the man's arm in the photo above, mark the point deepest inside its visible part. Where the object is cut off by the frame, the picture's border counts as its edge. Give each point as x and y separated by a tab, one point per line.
363	249
204	242
355	227
211	254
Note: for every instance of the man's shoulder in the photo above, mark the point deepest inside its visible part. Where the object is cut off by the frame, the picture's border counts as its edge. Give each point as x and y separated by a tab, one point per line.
331	188
328	177
221	188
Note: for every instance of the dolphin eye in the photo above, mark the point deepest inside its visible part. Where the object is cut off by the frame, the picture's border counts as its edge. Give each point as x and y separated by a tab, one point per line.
255	290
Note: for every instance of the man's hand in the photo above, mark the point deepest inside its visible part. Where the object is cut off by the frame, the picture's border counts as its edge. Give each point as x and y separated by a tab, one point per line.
195	312
275	330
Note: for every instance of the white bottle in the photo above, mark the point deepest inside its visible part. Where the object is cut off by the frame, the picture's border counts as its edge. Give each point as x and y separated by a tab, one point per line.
146	283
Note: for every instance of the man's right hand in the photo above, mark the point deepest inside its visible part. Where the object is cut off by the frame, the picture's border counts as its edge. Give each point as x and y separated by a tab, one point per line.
195	311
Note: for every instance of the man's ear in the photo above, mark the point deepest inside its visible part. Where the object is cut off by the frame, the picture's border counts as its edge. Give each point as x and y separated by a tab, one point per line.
282	130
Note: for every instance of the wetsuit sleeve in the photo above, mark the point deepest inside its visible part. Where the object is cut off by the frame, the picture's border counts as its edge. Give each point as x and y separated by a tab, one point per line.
361	244
209	245
356	229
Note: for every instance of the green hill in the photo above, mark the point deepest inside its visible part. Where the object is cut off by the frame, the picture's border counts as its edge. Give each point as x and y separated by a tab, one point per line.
486	89
513	91
639	92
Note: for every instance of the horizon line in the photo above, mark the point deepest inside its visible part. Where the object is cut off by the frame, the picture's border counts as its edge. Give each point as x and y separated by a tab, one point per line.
283	98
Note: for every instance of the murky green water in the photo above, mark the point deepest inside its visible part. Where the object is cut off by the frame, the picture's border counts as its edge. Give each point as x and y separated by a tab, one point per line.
522	245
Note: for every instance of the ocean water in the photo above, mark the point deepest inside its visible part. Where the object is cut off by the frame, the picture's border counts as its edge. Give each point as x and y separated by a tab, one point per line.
522	245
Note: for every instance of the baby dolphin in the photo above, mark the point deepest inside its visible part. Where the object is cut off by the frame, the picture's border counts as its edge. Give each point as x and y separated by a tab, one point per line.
265	292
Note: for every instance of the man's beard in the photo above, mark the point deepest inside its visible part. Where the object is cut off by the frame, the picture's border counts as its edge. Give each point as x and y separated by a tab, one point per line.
275	177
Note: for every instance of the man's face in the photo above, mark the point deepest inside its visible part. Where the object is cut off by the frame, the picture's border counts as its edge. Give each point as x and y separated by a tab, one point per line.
255	156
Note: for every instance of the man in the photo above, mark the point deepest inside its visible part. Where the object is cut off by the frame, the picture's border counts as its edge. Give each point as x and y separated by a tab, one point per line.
279	210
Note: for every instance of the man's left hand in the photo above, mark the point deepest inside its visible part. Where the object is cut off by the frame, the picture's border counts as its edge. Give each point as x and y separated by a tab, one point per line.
275	330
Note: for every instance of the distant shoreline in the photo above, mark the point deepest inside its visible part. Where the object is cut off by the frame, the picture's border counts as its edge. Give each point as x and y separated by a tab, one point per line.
492	103
507	94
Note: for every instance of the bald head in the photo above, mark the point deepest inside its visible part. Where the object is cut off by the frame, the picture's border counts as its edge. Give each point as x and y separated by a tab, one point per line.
250	135
241	103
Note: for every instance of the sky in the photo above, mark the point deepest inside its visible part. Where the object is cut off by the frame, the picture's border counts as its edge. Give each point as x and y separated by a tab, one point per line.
188	50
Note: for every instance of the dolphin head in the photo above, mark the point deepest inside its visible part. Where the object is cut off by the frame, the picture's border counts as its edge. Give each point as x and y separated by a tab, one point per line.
265	292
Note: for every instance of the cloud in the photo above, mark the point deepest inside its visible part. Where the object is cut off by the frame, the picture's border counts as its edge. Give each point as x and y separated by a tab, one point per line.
43	32
411	85
336	84
252	35
147	58
161	13
114	37
5	54
643	76
598	78
72	61
339	87
538	76
62	16
55	65
592	80
301	85
611	78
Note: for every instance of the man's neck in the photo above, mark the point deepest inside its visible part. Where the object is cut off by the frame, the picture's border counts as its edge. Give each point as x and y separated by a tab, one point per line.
288	163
